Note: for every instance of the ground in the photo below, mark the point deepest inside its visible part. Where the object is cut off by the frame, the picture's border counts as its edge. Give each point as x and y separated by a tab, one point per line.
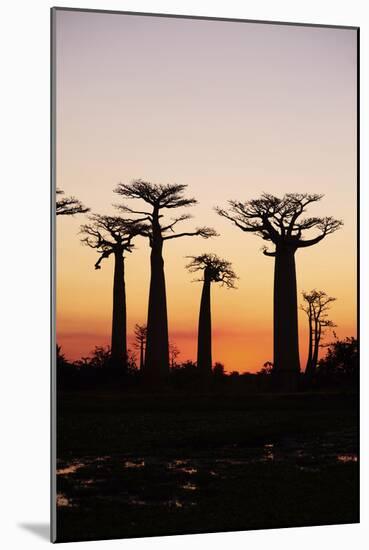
132	464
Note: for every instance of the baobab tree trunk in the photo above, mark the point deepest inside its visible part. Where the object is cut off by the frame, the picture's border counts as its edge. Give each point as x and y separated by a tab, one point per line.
119	323
286	345
204	359
157	343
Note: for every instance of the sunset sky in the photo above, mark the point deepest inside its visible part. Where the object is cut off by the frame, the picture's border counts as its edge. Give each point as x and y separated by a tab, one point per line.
231	110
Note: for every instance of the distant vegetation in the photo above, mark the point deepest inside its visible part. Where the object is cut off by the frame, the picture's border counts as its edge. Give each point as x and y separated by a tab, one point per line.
338	369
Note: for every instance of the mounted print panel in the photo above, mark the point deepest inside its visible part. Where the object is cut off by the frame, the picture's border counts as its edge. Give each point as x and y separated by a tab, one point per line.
206	370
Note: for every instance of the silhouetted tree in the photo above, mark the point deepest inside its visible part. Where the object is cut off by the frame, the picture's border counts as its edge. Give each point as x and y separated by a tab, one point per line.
99	358
159	198
66	372
278	220
341	361
131	362
68	206
173	354
234	374
219	371
140	342
113	235
266	369
184	375
317	303
60	357
215	270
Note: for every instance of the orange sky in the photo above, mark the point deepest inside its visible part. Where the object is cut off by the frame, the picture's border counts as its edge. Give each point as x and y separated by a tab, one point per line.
231	110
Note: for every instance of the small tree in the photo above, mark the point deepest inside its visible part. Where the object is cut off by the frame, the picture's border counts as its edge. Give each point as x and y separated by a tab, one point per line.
131	362
316	306
342	359
266	369
68	206
100	357
173	354
159	198
219	371
61	360
113	235
280	222
214	270
140	332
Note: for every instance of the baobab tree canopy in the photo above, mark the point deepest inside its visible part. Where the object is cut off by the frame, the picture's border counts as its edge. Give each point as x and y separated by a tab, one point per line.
279	219
110	233
217	269
68	206
160	197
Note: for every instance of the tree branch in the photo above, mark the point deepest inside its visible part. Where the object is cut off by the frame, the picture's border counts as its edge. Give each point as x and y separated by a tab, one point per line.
300	200
327	226
204	232
69	207
243	226
105	254
125	208
266	252
175	221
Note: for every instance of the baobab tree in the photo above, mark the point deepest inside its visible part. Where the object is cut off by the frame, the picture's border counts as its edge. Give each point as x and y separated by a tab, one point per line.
140	342
279	221
68	206
316	306
214	270
159	198
112	235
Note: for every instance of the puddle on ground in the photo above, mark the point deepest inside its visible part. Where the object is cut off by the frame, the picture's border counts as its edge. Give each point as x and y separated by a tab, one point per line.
70	469
61	500
347	458
182	466
179	482
189	486
269	451
134	464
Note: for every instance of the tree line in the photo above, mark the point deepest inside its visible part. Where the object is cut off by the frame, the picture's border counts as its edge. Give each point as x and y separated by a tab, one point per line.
281	222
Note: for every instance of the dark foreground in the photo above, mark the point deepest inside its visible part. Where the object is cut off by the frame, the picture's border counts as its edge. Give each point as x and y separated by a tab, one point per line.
138	465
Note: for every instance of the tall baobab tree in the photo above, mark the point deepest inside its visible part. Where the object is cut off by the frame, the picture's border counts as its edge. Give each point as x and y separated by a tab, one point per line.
279	221
140	342
157	199
316	306
113	235
215	270
68	206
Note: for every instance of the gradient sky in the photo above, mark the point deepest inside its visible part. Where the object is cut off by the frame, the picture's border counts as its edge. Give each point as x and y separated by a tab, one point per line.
231	110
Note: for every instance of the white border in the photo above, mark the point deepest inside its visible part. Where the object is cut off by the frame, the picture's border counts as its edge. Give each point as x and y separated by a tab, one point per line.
24	171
